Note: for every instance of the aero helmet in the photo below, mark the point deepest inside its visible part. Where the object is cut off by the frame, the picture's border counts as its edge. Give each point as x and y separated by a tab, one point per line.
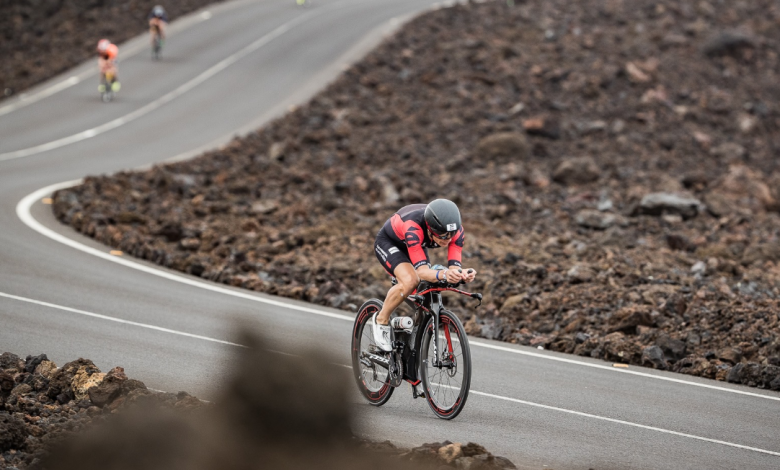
102	45
442	218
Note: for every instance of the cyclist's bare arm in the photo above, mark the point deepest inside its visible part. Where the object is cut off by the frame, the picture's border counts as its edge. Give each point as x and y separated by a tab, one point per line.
105	65
157	25
453	274
427	274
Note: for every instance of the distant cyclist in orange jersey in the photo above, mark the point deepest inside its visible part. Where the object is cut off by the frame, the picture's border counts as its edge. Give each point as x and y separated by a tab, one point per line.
107	62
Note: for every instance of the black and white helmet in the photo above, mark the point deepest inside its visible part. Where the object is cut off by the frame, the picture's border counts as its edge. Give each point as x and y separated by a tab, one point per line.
442	218
158	11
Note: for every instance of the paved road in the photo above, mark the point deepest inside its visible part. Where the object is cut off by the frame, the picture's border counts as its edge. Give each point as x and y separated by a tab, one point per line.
226	70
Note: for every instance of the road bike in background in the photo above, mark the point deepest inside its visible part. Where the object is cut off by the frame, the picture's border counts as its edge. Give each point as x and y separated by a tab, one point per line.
157	43
430	347
108	86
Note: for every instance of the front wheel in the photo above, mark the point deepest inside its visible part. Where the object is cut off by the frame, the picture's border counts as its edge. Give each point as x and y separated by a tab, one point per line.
156	47
371	378
446	378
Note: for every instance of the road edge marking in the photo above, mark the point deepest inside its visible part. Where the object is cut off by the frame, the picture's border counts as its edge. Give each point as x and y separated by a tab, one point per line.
626	423
23	212
117	320
620	370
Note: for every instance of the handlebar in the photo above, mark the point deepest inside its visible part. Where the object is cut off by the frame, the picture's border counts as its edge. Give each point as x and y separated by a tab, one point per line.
444	282
426	287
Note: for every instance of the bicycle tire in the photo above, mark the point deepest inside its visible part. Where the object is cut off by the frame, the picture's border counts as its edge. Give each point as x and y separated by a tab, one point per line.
436	391
157	43
374	388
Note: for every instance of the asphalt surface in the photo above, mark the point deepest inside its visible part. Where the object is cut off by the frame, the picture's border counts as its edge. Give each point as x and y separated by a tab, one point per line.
226	70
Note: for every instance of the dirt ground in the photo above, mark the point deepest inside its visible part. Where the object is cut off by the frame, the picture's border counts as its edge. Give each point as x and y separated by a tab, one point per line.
615	163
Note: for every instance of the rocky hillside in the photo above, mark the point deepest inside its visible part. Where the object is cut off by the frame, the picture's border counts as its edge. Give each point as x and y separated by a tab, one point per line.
615	163
42	38
41	403
76	417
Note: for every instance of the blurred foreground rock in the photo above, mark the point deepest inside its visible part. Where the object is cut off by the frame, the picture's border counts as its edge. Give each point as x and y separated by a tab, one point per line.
277	411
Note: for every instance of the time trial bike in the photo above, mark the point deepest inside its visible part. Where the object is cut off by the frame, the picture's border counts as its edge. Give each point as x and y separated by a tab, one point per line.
430	347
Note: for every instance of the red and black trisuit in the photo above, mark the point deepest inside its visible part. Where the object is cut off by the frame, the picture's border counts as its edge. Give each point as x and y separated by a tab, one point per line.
404	239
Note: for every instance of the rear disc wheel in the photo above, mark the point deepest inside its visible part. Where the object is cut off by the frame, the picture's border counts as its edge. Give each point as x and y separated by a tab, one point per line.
371	378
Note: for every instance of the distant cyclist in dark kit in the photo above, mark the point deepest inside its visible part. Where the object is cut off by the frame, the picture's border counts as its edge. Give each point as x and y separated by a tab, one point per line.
158	21
402	247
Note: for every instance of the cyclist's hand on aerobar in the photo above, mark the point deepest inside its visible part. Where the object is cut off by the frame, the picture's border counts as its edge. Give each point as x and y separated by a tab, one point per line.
456	275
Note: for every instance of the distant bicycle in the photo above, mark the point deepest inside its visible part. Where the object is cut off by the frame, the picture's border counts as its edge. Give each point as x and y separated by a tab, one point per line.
157	43
430	346
108	86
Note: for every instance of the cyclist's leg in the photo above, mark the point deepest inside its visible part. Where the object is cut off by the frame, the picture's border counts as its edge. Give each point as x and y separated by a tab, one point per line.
114	79
395	260
407	282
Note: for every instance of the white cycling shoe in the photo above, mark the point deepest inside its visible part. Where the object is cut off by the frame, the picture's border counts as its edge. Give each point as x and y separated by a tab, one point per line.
382	335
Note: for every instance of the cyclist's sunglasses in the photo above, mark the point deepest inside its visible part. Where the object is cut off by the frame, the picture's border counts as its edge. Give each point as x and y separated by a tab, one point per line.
444	236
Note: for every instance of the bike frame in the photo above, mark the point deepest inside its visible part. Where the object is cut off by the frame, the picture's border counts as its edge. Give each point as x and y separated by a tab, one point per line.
427	303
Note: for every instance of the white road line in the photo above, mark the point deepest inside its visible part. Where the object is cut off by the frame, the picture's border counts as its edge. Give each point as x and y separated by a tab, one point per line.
170	96
627	423
620	370
114	319
473	392
23	212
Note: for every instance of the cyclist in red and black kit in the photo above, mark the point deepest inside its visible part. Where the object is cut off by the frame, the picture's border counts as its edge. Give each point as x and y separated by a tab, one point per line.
402	247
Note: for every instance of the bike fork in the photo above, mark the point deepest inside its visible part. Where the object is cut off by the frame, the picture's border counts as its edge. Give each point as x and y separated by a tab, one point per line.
436	306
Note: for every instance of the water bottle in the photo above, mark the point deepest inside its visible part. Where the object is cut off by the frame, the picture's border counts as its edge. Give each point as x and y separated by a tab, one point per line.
402	323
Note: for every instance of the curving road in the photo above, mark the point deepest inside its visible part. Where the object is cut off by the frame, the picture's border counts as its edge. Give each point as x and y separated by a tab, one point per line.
227	70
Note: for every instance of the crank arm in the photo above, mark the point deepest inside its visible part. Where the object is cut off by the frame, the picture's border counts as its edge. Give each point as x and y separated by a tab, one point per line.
376	359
